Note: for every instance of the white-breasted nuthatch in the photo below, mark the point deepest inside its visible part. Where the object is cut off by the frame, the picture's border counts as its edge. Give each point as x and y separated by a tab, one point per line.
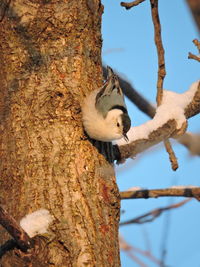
105	116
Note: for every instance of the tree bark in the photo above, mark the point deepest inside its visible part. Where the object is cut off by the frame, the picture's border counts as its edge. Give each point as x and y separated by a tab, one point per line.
50	59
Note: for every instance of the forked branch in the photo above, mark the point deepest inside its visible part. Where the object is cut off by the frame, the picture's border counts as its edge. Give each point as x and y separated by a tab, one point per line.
192	56
153	214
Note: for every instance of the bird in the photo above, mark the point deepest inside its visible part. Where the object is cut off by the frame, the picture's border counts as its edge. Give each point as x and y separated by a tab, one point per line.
104	112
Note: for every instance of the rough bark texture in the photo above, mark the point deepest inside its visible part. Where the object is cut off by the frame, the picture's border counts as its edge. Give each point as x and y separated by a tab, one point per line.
50	59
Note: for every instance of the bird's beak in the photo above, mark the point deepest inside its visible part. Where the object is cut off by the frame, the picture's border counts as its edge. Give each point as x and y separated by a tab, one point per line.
126	137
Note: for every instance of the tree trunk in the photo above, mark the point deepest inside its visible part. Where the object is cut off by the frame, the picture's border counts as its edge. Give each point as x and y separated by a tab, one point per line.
50	59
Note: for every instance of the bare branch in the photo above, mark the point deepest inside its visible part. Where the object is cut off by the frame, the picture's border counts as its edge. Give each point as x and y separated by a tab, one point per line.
193	107
197	44
14	229
172	156
131	4
131	250
161	73
192	56
160	50
167	192
153	214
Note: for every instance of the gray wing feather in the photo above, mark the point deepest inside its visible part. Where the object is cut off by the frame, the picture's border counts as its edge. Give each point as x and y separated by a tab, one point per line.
110	94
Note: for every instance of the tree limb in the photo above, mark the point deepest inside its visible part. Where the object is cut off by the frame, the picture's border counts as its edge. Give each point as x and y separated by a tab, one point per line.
132	250
167	192
14	229
172	156
192	56
153	214
161	73
197	44
160	50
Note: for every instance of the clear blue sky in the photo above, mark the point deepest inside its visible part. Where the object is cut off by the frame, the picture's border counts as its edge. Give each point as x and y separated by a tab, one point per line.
128	47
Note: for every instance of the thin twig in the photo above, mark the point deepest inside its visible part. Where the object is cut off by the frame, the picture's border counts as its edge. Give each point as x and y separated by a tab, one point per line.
152	215
165	234
131	250
135	258
131	4
146	238
161	72
148	254
160	50
14	229
172	156
193	192
192	56
197	44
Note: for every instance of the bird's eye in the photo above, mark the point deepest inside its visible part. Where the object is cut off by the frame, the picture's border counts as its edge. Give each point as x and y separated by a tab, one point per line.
118	124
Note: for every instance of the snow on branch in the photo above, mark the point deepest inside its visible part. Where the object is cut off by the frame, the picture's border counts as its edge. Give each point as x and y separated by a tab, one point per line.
31	225
189	140
170	120
176	191
36	222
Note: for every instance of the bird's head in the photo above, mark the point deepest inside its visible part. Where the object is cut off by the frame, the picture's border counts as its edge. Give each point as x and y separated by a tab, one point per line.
119	123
